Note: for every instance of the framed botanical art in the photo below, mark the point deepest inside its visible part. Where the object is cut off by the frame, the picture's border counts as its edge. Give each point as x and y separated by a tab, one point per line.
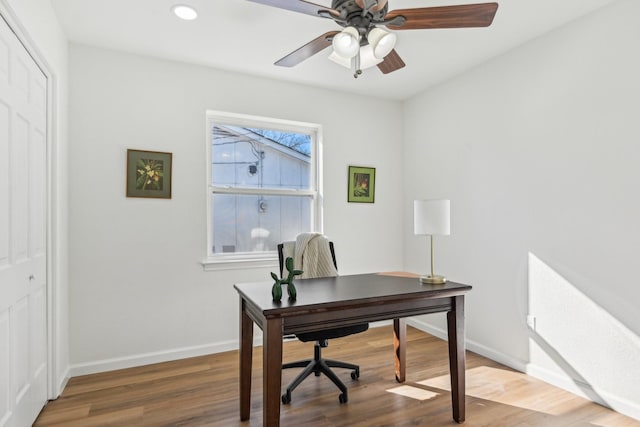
149	174
362	184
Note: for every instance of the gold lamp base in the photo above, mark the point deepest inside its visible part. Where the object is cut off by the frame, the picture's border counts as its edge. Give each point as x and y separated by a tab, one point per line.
433	280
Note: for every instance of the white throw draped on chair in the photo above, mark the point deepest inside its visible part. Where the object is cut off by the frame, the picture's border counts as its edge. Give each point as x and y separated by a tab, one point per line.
311	254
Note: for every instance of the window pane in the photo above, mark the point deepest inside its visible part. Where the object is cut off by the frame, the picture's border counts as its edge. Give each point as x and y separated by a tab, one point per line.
255	163
257	223
298	142
260	158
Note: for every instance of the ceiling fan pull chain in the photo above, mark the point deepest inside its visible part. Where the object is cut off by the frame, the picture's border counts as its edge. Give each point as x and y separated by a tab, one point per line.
356	66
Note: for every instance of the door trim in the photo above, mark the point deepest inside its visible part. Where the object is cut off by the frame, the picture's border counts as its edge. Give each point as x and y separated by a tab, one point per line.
55	385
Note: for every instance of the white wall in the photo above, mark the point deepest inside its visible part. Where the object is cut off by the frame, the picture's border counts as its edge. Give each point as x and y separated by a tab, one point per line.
538	151
138	291
37	25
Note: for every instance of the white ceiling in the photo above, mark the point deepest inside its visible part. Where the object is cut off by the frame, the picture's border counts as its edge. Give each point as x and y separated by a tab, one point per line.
247	37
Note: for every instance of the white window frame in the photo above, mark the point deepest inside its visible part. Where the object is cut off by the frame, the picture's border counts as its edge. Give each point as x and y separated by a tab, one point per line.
231	261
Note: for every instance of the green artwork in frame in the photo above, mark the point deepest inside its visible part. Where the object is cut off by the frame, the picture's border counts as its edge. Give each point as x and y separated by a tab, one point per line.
362	184
149	174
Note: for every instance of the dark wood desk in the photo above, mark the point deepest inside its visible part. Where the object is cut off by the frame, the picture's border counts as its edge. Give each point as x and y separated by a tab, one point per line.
341	301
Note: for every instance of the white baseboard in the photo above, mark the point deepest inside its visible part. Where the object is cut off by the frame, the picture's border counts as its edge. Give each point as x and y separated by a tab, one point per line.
150	358
618	404
471	345
135	360
164	356
604	398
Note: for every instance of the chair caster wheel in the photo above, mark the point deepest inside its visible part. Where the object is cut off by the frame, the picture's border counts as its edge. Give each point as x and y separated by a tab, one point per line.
286	398
343	398
355	374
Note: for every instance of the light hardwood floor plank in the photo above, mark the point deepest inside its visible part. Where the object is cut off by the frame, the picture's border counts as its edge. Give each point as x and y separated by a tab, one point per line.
203	391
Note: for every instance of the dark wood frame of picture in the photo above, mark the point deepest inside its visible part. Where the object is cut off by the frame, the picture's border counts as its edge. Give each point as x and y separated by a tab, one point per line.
133	156
356	192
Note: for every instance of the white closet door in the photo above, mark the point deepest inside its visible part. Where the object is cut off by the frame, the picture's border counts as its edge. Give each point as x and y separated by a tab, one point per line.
23	174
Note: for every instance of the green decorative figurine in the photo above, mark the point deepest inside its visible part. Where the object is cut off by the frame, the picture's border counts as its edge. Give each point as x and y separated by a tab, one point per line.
276	290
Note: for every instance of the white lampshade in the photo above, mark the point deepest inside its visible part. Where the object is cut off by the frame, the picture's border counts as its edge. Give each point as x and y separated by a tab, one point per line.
431	217
367	58
347	42
382	42
341	60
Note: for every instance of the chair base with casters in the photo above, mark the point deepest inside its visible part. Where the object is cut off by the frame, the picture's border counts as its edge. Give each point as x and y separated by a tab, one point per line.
318	366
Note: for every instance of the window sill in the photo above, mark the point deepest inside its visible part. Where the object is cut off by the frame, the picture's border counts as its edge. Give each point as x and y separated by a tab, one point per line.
240	261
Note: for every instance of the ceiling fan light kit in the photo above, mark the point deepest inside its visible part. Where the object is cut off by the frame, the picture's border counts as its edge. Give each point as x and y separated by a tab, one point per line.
347	42
382	42
362	60
340	60
362	43
367	58
351	50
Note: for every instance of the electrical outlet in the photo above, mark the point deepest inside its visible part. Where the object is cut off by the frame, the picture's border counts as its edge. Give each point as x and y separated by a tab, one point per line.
531	322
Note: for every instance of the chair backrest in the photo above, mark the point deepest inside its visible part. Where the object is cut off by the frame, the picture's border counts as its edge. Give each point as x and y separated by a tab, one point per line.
281	256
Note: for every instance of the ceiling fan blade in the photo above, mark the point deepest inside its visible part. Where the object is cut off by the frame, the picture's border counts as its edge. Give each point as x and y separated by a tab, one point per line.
392	62
462	16
307	51
299	6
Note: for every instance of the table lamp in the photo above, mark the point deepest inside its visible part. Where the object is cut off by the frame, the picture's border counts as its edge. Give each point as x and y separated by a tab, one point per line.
431	217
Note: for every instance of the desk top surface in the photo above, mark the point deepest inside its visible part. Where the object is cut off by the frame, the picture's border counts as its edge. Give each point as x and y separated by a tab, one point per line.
341	290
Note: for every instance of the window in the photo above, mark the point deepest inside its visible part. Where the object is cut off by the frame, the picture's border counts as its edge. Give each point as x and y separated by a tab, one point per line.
264	186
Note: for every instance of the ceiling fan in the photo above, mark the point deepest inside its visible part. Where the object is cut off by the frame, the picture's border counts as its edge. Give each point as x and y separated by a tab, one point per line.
362	43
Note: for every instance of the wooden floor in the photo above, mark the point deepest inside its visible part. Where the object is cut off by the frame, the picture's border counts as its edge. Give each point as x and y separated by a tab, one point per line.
203	391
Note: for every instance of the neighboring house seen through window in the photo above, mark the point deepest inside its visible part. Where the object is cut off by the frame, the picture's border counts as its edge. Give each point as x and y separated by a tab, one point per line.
264	185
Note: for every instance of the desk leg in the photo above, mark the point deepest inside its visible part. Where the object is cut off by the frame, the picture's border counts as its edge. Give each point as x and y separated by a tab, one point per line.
272	372
400	348
455	325
246	359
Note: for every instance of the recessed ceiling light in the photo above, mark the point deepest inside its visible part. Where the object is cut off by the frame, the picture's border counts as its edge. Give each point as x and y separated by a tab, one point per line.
184	12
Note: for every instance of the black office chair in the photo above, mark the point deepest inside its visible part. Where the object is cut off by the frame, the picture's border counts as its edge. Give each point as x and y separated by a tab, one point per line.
318	365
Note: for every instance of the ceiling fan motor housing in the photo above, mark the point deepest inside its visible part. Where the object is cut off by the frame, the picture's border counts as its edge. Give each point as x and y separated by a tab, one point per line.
353	16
